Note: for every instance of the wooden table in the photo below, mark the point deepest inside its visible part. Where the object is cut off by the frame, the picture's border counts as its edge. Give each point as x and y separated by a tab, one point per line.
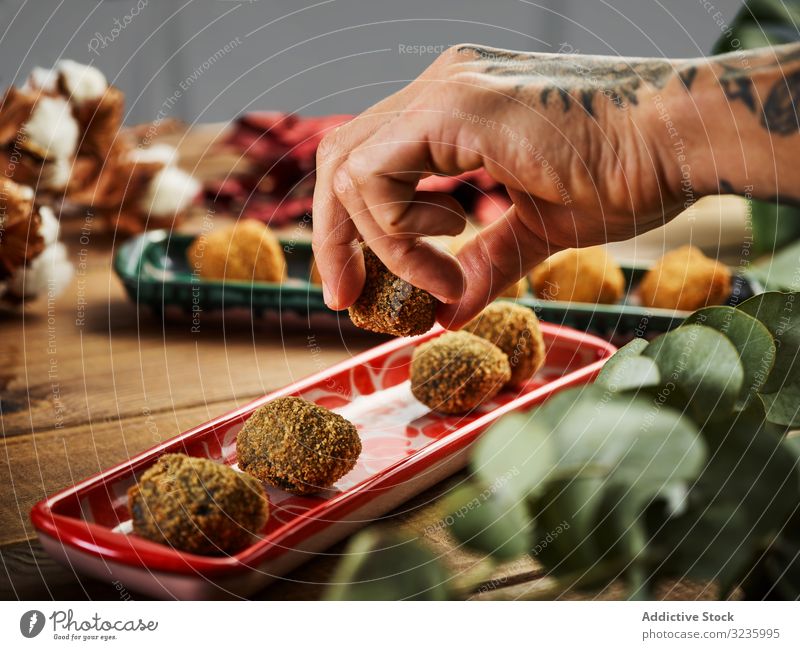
87	381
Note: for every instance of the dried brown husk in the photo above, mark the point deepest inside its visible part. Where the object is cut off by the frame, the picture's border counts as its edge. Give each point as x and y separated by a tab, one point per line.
20	240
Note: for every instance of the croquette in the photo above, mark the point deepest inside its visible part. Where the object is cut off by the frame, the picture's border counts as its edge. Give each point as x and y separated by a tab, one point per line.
390	305
515	330
457	371
685	279
516	290
247	250
579	275
297	446
197	505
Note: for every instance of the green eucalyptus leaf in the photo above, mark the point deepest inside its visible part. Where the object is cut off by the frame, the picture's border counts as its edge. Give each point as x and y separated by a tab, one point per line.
781	316
746	493
759	23
628	370
775	225
606	444
633	348
632	373
752	340
700	369
379	565
618	521
751	466
704	545
564	514
781	271
624	439
783	407
489	521
516	450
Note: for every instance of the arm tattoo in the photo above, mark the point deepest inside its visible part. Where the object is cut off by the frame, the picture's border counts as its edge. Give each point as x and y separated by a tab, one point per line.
562	80
740	88
778	112
780	108
571	78
687	76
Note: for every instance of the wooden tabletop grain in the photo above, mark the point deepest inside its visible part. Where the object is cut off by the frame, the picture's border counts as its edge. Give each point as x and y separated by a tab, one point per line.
87	380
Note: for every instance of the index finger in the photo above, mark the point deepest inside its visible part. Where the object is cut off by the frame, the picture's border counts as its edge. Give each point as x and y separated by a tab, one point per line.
334	236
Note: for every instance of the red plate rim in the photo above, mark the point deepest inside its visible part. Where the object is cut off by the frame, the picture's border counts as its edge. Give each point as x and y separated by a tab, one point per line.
100	541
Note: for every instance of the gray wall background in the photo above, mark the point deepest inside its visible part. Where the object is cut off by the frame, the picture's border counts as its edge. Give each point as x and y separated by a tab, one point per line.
318	56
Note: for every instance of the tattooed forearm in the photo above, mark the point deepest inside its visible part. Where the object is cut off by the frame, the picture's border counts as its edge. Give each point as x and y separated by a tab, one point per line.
740	89
687	76
780	108
769	86
769	89
562	80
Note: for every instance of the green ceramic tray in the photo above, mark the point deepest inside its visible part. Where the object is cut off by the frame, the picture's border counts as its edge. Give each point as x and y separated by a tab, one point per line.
627	318
155	272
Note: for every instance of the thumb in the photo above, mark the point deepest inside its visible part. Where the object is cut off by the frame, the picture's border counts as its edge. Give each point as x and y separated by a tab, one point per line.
501	254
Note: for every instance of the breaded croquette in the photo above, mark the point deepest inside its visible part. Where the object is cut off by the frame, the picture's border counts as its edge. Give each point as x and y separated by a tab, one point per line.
247	250
197	505
457	371
297	446
685	279
579	275
516	290
390	305
515	330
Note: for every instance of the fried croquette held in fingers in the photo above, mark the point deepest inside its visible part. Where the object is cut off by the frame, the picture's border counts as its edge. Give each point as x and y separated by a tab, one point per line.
297	446
579	275
197	505
515	330
247	250
685	279
458	371
390	305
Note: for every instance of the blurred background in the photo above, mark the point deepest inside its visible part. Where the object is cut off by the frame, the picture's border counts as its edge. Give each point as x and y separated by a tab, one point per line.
209	60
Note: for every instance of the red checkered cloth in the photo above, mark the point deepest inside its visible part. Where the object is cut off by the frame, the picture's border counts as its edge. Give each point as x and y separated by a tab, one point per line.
278	189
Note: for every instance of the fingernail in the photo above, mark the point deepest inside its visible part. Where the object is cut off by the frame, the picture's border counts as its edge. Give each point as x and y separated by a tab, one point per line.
326	295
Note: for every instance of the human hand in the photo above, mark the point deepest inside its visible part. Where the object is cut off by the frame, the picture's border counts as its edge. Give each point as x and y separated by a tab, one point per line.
574	139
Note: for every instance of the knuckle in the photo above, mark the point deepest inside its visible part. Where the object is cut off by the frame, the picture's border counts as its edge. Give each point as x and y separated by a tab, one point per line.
457	52
452	56
328	147
393	221
344	183
360	163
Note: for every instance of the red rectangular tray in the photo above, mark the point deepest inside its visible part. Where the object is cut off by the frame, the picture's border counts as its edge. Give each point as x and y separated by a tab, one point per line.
406	449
